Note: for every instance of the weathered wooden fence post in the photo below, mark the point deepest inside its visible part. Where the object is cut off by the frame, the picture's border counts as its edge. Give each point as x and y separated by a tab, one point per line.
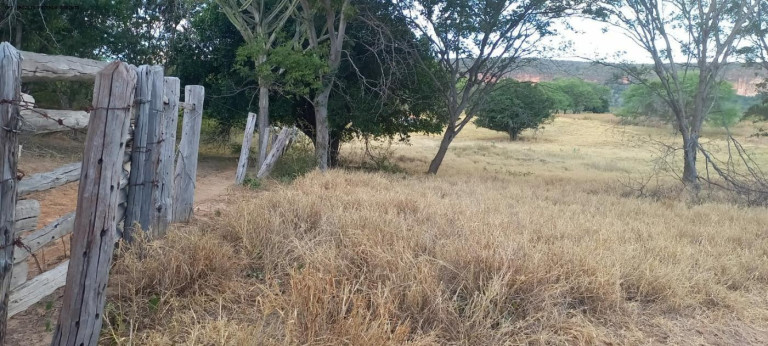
10	94
282	143
161	213
245	150
186	163
145	156
93	241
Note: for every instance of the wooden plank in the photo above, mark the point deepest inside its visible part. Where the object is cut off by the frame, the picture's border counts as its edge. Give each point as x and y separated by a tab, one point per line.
20	272
49	180
10	91
37	67
44	236
25	225
27	213
27	101
245	150
27	209
186	161
155	144
37	288
282	143
34	122
93	241
144	154
161	213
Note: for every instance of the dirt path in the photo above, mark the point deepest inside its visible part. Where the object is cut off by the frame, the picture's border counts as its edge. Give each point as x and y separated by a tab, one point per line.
36	325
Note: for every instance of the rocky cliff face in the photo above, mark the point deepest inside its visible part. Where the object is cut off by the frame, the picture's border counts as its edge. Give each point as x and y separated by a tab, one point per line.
743	78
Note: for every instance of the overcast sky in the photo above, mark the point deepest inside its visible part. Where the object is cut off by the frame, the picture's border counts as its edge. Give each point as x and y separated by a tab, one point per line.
588	41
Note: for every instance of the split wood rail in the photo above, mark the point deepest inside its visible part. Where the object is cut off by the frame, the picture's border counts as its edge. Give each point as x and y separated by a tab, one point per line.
132	178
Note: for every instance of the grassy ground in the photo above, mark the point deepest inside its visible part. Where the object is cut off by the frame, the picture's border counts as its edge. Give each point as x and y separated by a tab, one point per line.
531	242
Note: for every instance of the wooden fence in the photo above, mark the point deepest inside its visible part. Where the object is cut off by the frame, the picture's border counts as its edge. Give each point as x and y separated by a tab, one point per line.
145	194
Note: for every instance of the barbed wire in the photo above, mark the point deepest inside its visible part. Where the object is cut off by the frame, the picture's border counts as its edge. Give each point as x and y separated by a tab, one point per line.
26	106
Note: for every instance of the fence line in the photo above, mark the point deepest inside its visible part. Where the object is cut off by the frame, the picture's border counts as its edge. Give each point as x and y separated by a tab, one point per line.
107	173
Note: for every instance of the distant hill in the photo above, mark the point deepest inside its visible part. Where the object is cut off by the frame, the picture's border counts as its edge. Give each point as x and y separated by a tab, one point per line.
743	78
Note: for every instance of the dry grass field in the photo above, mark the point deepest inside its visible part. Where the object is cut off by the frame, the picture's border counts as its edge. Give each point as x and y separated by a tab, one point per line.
539	241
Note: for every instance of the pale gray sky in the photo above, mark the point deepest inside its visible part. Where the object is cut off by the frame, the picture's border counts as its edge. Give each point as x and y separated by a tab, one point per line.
588	41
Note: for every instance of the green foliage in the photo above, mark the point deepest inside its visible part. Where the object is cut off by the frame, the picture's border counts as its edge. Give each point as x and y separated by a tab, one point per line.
137	31
299	70
205	53
758	106
514	106
645	100
577	95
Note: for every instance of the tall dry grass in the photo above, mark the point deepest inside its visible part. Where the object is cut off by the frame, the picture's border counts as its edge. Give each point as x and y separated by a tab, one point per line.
369	259
531	242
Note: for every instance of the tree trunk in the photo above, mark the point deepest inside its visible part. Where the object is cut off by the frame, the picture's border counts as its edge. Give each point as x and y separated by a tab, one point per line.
335	146
690	174
448	137
321	129
263	121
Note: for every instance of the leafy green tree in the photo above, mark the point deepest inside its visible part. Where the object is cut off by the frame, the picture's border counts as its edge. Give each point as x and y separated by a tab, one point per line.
379	91
577	95
644	100
560	100
205	53
480	42
261	24
136	31
514	106
377	94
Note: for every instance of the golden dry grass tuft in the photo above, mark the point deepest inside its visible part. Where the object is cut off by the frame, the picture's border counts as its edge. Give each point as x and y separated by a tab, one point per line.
514	243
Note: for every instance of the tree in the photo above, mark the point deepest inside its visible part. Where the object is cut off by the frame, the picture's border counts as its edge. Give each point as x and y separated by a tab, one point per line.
479	42
560	101
578	95
708	34
643	100
204	54
514	106
335	16
136	31
378	90
261	23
